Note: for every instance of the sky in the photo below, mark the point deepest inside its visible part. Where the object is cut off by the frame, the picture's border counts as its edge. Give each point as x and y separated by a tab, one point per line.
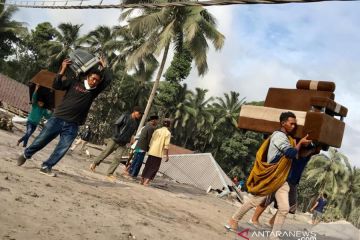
266	46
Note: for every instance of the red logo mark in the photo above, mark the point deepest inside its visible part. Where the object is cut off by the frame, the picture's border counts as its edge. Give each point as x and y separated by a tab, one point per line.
244	233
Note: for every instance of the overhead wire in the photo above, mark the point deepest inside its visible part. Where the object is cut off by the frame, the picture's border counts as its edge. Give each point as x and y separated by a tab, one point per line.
52	4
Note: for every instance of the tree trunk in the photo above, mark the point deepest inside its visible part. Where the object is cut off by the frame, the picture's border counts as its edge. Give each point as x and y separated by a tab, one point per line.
153	90
204	147
186	140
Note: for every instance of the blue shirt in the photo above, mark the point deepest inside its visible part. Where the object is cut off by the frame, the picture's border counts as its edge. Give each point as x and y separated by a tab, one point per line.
321	204
296	170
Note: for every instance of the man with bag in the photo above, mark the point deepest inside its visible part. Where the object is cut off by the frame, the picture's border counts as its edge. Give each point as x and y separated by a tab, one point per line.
270	172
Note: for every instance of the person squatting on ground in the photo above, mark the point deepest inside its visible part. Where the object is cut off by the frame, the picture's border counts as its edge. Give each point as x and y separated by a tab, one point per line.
296	171
81	91
318	208
37	113
142	146
159	144
125	128
270	172
83	140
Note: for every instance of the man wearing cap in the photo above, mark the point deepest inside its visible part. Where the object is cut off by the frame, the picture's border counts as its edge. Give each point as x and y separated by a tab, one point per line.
142	145
159	144
125	128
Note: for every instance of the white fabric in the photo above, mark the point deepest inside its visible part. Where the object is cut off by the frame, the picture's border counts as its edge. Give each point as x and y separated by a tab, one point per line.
87	86
313	85
337	108
279	143
270	114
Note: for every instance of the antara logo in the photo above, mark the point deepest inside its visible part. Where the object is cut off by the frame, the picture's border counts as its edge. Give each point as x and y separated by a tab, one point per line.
244	233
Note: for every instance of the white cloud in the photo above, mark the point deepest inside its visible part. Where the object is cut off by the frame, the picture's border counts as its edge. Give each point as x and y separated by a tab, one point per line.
274	46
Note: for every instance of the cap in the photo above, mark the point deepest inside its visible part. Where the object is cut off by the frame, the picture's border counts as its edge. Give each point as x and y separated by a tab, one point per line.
153	117
138	109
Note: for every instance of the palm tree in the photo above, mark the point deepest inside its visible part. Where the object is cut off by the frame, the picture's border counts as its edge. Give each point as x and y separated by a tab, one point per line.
351	192
329	170
125	43
66	40
228	109
193	115
137	86
182	26
99	39
9	30
6	24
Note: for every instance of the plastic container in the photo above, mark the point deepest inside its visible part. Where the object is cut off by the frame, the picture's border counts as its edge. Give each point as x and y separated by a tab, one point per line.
82	61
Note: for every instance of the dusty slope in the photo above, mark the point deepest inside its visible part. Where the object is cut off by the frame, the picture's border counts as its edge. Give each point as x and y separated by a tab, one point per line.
79	204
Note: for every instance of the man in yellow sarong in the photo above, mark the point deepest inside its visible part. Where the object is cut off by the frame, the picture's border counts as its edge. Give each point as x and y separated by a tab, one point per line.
270	172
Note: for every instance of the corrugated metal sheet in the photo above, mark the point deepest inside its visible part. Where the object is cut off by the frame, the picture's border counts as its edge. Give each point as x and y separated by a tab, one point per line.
200	170
14	93
176	150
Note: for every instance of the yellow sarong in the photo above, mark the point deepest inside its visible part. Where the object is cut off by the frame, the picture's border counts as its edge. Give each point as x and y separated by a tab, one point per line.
265	178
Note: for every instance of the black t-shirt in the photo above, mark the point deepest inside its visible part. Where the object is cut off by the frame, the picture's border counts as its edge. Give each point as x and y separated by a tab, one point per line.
125	127
145	137
77	100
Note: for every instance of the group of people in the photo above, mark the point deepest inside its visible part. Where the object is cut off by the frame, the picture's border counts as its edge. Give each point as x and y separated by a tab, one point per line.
279	164
81	91
154	141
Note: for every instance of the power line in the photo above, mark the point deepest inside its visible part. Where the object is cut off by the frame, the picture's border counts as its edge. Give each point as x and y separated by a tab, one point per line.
52	4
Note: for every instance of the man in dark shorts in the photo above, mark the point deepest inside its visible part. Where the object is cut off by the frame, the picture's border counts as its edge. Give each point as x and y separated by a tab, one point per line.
318	208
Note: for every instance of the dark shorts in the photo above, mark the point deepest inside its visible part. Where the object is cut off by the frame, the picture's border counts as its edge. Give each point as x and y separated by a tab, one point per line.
152	166
316	215
292	199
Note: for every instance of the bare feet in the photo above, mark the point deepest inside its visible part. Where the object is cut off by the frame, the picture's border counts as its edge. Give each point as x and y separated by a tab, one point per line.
111	178
233	224
146	182
92	167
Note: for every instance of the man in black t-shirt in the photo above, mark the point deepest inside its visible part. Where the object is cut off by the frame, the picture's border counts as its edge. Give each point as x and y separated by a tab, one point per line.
125	128
69	115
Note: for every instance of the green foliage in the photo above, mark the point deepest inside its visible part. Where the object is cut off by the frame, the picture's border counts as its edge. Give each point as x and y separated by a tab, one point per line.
237	153
43	33
351	192
180	67
354	217
331	172
9	31
332	214
256	103
170	94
